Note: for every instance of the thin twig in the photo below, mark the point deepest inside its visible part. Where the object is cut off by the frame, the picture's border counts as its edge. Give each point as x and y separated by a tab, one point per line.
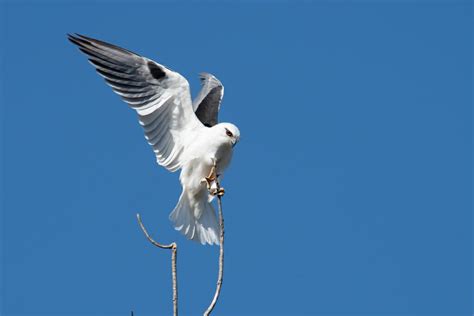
174	254
221	259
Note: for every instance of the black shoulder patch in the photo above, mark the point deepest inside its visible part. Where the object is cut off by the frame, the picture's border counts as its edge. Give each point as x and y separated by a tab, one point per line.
156	71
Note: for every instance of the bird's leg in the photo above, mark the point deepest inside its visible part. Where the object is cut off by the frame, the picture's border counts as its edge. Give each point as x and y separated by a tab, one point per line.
211	177
212	181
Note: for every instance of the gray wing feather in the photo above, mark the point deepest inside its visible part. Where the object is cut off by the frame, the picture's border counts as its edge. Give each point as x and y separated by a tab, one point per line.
207	103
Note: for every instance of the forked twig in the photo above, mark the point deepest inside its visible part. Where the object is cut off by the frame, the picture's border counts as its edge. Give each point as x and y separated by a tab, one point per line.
173	246
221	259
174	253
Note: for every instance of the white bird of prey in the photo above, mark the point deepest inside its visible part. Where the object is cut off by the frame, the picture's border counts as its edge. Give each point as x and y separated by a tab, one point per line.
184	134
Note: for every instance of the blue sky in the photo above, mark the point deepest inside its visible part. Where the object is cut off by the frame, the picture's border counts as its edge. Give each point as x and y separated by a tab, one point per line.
350	192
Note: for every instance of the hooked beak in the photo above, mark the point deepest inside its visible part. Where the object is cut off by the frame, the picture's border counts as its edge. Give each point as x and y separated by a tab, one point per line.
234	142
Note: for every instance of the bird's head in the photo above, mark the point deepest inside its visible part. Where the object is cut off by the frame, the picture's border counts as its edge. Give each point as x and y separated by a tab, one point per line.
229	131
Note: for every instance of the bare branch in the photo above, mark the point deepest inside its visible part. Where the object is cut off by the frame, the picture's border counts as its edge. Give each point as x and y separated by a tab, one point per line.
221	257
170	246
174	254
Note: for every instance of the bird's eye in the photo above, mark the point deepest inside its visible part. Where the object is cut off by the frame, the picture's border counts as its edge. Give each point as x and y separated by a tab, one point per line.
229	133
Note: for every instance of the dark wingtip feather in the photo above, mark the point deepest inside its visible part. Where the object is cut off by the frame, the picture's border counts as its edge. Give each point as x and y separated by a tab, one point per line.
74	40
94	41
70	37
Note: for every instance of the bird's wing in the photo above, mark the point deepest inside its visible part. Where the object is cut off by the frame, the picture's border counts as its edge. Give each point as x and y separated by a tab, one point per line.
160	96
207	103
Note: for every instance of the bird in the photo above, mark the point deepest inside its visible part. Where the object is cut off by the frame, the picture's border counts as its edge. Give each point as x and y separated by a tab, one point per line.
184	134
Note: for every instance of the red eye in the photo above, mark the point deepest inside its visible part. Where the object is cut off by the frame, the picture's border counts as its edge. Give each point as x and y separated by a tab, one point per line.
229	133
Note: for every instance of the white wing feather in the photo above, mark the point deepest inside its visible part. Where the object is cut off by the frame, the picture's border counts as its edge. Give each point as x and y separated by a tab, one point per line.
160	96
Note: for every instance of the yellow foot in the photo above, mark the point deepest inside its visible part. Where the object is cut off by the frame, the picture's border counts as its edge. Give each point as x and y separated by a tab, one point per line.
220	192
212	174
212	182
216	191
212	177
209	182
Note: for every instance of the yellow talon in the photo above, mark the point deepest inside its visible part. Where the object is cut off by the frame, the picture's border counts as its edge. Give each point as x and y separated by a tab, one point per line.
212	182
220	191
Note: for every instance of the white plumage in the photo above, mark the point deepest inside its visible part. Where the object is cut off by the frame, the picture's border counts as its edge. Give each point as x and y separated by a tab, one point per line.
183	136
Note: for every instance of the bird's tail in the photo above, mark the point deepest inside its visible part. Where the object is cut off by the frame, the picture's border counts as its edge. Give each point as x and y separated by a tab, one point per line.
197	221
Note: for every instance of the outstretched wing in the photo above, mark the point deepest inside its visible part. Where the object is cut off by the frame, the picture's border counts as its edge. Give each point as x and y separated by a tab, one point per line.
207	103
160	97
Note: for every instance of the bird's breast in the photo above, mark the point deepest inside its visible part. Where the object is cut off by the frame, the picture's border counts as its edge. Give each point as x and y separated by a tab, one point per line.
223	157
